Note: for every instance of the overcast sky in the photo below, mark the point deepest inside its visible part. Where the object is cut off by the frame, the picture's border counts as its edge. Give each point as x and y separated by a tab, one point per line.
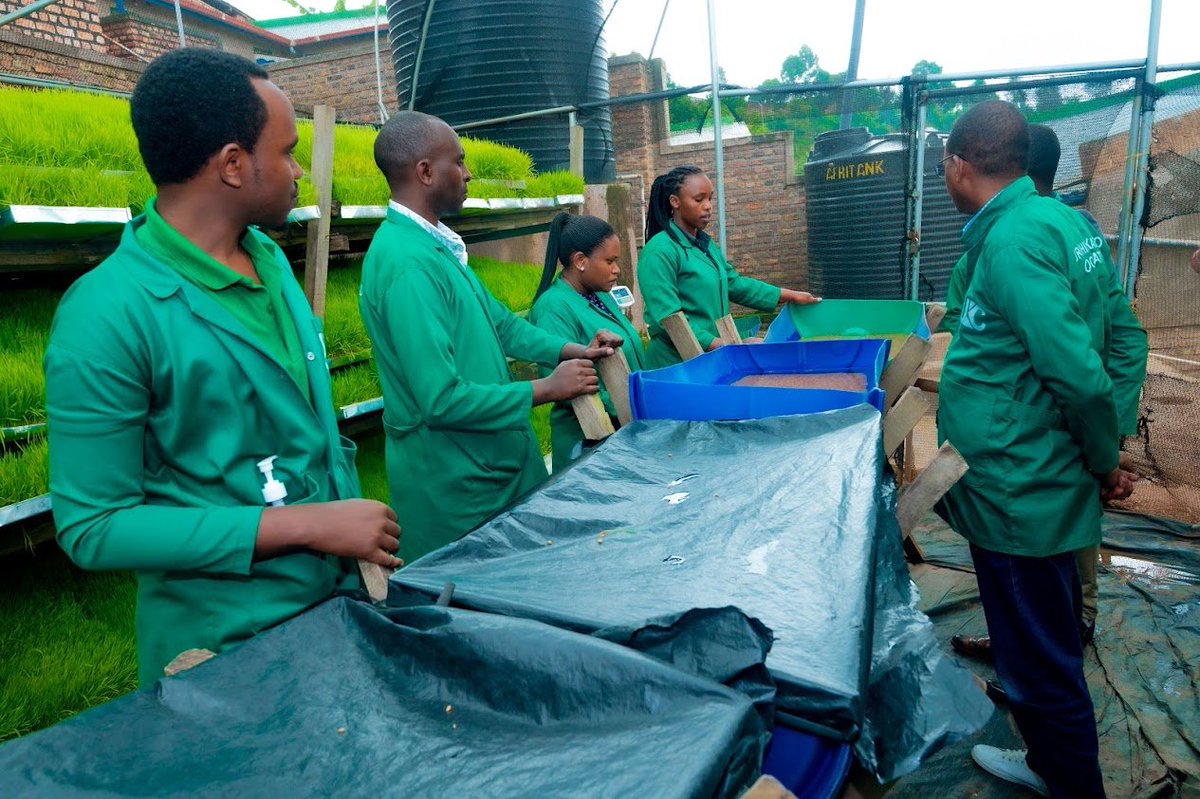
754	36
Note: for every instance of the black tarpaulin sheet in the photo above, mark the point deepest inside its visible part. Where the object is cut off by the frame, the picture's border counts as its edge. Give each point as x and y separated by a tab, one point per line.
789	519
346	700
1143	669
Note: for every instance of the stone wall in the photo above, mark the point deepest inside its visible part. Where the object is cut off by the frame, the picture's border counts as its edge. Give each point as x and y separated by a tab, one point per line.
75	23
29	57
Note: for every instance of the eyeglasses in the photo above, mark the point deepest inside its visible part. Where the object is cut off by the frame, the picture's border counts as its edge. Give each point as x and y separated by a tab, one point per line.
940	169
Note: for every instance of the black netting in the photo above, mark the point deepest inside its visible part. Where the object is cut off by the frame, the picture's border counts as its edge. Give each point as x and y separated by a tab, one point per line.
1167	447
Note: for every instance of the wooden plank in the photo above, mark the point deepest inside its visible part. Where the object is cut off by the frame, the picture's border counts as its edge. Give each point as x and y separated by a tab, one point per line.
934	313
316	258
593	419
946	468
375	579
575	150
903	369
681	335
727	330
188	659
614	372
927	384
902	418
767	787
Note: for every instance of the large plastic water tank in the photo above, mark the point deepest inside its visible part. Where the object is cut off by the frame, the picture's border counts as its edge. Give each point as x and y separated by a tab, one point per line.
482	60
855	185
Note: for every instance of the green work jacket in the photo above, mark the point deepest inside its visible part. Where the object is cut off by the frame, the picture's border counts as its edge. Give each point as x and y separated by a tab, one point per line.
160	405
677	275
459	444
1025	392
563	311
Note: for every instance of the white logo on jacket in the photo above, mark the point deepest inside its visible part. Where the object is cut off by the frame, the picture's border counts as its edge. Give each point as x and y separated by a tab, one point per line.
973	316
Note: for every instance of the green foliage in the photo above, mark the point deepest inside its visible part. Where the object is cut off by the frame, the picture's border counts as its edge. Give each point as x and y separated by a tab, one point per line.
73	186
24	331
67	639
552	184
372	471
803	67
355	383
512	284
67	129
486	159
539	418
24	471
344	330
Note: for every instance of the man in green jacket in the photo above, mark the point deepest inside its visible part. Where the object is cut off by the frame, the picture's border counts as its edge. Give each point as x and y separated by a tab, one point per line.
184	360
1027	399
459	443
1127	370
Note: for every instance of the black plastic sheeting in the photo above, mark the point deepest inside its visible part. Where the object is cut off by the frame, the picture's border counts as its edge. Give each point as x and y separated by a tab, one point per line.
790	519
346	700
1143	669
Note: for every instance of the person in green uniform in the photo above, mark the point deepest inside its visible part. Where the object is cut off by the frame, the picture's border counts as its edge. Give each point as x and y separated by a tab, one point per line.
459	444
578	304
1026	397
1044	153
682	269
184	360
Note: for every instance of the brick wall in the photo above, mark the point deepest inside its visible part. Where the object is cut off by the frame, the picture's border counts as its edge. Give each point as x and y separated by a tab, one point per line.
147	37
764	199
75	23
344	80
29	57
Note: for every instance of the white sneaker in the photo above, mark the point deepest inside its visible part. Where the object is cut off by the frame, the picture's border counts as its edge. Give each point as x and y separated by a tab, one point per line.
1008	764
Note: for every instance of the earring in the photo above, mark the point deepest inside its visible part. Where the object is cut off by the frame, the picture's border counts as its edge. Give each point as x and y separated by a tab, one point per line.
582	268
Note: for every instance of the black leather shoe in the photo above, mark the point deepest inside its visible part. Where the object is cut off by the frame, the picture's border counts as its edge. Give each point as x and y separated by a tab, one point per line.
973	646
996	692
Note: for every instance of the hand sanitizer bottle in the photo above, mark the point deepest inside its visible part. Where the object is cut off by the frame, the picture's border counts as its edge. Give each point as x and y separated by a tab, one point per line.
273	491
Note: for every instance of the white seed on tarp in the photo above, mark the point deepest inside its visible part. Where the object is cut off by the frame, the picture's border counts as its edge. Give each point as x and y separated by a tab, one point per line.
454	726
600	538
449	709
549	543
341	730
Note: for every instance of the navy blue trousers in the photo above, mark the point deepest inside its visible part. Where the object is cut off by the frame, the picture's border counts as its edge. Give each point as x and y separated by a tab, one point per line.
1032	609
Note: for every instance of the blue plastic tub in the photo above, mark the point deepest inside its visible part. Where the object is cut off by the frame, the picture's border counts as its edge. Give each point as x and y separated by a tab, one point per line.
701	389
808	766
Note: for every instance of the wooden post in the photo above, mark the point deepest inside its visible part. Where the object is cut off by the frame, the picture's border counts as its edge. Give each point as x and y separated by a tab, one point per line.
316	258
681	335
727	329
593	419
375	579
934	313
899	421
903	369
931	484
614	373
576	148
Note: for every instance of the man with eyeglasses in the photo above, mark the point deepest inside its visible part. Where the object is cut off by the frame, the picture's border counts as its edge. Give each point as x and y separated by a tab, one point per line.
1027	399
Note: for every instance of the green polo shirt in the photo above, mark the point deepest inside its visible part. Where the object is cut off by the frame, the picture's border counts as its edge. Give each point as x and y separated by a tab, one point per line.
257	305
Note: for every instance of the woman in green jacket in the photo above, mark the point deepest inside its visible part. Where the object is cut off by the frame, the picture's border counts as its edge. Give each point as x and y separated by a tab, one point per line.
578	304
681	269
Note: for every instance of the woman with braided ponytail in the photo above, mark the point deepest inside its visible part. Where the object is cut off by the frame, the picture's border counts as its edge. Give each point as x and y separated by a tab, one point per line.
578	303
681	269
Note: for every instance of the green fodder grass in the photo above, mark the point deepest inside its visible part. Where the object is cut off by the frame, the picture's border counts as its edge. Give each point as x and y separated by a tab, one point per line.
512	284
73	186
67	129
539	417
24	331
344	330
350	189
67	639
488	159
24	471
372	472
355	384
552	184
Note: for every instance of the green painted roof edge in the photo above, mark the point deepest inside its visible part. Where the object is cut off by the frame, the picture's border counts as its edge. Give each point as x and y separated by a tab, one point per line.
323	17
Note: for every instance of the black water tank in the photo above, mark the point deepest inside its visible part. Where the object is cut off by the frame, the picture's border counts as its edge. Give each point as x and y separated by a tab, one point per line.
490	59
855	185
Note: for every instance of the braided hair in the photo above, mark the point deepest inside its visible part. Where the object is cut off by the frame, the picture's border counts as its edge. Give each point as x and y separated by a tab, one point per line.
570	234
658	210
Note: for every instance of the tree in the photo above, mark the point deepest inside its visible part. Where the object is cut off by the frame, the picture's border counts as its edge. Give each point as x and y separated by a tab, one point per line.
802	67
1047	98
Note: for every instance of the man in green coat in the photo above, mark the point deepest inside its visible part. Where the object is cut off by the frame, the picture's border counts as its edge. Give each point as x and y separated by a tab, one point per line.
1027	399
459	443
184	360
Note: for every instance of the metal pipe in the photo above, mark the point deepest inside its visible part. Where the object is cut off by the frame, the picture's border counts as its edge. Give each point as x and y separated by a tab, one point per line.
545	112
179	24
918	196
718	148
1061	80
412	88
852	67
1125	222
1192	67
1147	122
20	80
383	114
1012	73
658	30
34	7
